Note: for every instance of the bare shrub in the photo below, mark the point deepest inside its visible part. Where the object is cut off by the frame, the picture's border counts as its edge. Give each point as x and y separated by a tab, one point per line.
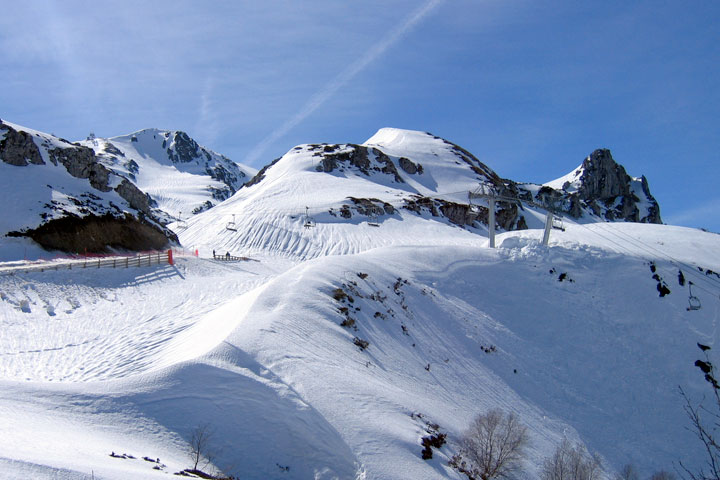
705	422
571	463
199	449
663	475
628	472
492	447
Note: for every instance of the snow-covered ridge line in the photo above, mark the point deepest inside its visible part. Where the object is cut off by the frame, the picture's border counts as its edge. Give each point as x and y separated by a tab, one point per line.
182	177
405	186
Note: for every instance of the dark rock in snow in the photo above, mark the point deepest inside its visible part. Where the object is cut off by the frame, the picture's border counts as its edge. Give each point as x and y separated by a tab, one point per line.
18	148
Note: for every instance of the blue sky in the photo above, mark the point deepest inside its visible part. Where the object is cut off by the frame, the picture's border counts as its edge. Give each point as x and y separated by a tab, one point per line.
529	87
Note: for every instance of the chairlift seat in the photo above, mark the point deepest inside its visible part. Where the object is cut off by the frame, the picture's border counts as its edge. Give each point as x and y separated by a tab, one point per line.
694	303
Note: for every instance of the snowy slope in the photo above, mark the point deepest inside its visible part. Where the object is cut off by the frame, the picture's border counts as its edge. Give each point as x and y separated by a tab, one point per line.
131	361
182	177
270	212
270	353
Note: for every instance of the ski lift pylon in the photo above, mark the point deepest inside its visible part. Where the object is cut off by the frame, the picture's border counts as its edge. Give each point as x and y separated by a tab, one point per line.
693	301
231	225
309	221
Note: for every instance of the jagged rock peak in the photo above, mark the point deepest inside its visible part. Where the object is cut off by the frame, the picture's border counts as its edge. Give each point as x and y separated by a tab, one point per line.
602	177
602	185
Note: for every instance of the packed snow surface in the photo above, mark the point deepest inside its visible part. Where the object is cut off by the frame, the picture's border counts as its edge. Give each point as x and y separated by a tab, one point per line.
102	367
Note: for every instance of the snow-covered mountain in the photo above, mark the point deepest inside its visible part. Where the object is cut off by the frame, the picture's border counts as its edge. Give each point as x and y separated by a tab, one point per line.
182	177
58	194
410	183
369	314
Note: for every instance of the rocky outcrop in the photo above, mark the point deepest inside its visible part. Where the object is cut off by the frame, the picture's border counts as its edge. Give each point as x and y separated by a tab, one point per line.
357	157
603	178
184	150
80	162
135	197
18	148
409	166
260	175
603	188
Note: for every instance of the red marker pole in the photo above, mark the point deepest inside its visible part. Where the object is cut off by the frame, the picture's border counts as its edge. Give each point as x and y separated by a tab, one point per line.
170	257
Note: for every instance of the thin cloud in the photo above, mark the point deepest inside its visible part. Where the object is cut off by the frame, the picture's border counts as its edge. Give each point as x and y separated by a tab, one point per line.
319	98
696	216
207	125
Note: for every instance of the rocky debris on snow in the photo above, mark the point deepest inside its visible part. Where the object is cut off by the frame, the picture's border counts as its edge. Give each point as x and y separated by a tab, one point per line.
562	276
506	214
434	439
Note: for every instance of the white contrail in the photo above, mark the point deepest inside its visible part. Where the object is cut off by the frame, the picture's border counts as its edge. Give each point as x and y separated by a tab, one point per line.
342	78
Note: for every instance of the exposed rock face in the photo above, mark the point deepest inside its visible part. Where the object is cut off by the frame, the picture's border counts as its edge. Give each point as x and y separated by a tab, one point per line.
18	148
134	196
186	149
409	166
366	160
80	162
260	175
602	178
605	189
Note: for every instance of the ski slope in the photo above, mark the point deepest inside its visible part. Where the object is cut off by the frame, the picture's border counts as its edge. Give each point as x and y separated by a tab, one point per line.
130	361
101	368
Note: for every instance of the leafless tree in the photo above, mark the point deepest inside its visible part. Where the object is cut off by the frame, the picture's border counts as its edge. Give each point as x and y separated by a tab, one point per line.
705	422
199	449
491	447
571	463
628	472
663	475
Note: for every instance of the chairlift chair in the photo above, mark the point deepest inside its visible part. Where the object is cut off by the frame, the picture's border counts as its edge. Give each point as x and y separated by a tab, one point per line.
474	207
231	225
309	221
557	223
693	301
181	222
373	219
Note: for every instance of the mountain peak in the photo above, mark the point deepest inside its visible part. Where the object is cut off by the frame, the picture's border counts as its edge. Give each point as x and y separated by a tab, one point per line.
602	184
